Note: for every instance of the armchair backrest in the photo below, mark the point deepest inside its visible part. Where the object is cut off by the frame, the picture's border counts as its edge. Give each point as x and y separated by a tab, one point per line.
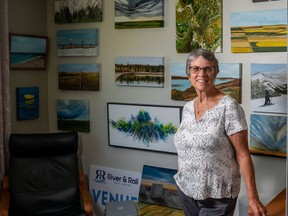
44	174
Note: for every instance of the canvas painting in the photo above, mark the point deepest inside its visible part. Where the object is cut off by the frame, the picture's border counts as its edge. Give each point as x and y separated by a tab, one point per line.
84	77
27	103
198	24
77	42
73	115
268	135
78	11
140	71
132	14
269	88
158	187
259	31
228	80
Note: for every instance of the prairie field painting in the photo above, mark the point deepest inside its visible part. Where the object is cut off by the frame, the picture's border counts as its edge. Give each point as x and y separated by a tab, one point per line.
272	79
132	14
198	25
140	71
27	103
268	135
78	11
84	77
259	31
78	42
73	115
228	81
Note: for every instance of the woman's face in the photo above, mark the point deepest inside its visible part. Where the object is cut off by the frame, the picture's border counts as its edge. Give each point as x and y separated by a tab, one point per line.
202	74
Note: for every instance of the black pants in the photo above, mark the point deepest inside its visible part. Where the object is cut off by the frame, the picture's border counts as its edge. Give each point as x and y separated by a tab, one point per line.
207	207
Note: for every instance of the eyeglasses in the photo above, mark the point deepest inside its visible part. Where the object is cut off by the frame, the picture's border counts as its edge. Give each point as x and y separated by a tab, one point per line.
196	69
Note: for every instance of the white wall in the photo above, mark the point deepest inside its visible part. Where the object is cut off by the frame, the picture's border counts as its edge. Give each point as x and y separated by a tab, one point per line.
270	171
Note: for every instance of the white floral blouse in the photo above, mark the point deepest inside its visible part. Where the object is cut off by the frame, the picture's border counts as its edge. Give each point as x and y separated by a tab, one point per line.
207	166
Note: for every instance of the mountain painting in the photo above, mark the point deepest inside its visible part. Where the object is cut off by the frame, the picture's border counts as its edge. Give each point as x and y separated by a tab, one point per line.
268	135
269	80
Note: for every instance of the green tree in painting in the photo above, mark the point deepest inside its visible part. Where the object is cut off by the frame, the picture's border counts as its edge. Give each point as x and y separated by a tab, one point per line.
141	127
198	25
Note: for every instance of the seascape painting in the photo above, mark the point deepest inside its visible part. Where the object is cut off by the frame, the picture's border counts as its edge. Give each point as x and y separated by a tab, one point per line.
132	14
83	77
228	80
77	42
28	52
198	25
140	71
27	103
269	88
78	11
73	115
268	135
259	31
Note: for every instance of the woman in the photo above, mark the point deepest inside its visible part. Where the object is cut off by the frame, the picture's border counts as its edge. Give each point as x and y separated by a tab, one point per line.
212	146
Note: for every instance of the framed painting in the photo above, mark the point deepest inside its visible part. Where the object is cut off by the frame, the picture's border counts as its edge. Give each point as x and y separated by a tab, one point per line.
146	127
27	103
28	52
77	42
82	77
131	14
78	11
268	135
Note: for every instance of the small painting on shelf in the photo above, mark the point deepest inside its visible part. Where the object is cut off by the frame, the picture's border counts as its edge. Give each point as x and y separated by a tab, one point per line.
27	103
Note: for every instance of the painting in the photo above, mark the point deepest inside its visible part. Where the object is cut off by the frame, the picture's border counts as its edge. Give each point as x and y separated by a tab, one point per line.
77	42
228	80
146	127
131	14
269	88
73	115
27	103
259	31
82	77
158	187
198	24
28	52
140	71
256	1
268	135
78	11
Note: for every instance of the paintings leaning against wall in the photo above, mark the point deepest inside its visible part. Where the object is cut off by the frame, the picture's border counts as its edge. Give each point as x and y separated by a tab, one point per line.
78	11
78	42
199	24
259	31
27	103
131	14
146	127
228	80
140	71
28	52
73	115
269	88
268	135
82	77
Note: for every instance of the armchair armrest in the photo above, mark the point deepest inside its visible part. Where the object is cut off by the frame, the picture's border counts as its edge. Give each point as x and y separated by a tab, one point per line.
86	197
276	207
4	203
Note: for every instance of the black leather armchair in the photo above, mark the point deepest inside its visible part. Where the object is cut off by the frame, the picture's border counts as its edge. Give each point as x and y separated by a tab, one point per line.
44	178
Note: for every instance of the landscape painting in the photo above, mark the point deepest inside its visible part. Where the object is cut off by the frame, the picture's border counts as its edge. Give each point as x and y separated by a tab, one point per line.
27	52
228	80
132	14
259	31
83	77
268	135
140	71
158	187
77	42
199	24
269	88
27	103
78	11
73	115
